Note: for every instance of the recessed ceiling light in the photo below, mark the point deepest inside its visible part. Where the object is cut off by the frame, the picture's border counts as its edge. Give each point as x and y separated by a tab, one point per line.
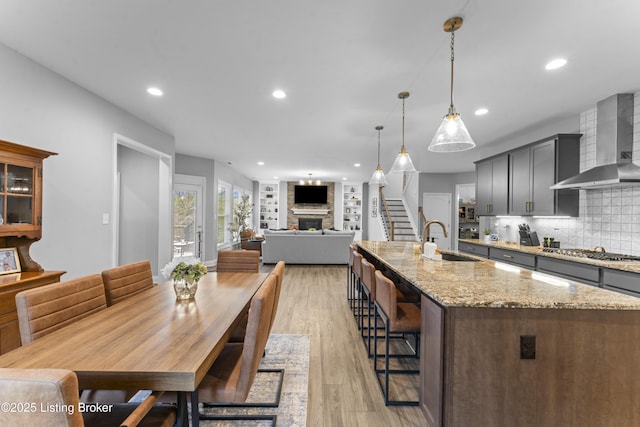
260	163
356	165
555	64
154	91
344	178
279	94
275	177
481	111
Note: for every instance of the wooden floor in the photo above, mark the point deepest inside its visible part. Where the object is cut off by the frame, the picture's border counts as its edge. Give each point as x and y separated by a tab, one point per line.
343	390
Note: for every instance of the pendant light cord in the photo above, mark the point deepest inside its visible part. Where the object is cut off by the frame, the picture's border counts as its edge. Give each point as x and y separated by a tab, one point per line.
452	59
379	129
403	123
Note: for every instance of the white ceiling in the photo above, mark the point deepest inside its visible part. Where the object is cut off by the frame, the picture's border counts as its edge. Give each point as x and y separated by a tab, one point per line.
342	64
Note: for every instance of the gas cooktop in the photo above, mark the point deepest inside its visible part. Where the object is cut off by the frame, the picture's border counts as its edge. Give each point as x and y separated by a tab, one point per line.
592	254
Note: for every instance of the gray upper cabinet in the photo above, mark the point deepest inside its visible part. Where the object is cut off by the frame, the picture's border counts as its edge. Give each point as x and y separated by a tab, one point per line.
531	170
492	186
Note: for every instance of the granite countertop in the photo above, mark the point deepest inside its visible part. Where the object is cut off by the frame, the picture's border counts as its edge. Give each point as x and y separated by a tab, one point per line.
481	284
632	266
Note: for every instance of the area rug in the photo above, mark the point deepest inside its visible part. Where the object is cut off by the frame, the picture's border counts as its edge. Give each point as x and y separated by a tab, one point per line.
290	352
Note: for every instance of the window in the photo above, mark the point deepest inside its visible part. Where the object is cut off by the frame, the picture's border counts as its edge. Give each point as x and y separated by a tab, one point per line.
238	195
223	213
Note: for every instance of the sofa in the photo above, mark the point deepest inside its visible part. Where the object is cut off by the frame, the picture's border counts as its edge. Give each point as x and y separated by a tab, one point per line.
306	247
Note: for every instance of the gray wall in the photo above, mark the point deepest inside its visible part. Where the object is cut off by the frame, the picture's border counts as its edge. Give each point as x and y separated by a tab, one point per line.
445	183
139	189
44	110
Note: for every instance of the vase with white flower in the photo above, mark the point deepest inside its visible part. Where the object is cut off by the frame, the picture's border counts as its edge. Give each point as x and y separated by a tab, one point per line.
185	273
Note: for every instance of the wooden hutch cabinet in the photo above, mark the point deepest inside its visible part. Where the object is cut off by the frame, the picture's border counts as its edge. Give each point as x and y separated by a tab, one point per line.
20	226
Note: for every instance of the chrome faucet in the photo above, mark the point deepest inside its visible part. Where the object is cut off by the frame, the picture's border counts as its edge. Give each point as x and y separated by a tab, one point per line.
425	230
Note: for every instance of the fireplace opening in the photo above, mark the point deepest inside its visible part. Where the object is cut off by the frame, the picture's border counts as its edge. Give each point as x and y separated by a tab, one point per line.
307	223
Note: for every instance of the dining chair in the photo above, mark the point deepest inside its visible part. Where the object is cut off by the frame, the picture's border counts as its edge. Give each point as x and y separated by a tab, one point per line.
49	397
278	271
48	308
229	380
127	280
397	317
238	260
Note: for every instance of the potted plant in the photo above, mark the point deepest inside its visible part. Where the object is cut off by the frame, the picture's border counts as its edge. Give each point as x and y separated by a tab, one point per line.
487	235
241	213
185	273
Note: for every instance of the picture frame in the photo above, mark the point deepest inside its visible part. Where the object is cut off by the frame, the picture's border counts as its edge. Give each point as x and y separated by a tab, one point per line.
10	261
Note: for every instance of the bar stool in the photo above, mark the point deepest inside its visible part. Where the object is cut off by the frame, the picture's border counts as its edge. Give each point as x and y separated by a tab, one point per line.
368	298
357	287
350	278
398	317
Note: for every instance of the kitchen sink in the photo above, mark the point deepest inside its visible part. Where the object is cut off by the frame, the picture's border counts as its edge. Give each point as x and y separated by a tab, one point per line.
453	257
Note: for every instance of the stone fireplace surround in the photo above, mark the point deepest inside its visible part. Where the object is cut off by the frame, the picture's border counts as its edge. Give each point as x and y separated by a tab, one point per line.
327	218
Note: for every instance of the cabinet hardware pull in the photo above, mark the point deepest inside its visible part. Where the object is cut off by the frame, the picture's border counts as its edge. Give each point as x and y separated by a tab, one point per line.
507	256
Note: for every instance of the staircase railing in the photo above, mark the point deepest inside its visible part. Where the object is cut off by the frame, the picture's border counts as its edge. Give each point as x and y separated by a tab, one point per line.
386	217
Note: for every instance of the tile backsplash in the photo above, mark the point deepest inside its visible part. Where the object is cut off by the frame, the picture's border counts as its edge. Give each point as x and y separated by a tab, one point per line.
609	217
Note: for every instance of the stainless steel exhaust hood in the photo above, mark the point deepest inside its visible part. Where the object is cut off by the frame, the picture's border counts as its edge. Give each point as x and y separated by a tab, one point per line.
614	148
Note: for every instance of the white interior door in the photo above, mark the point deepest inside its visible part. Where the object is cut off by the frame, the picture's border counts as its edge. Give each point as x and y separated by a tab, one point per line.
188	205
437	206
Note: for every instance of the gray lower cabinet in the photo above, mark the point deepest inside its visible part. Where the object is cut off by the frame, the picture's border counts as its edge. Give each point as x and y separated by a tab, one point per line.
621	281
513	257
580	272
492	186
470	248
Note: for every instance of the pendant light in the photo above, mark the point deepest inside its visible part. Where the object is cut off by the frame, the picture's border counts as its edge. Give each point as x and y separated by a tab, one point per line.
452	135
378	177
403	162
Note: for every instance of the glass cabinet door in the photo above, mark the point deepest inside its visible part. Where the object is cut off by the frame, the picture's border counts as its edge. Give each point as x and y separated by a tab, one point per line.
18	189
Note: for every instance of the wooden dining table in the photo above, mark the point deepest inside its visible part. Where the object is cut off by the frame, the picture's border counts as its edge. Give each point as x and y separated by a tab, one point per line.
149	341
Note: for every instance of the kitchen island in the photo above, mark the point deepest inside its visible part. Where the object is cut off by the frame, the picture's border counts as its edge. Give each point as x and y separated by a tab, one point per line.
501	347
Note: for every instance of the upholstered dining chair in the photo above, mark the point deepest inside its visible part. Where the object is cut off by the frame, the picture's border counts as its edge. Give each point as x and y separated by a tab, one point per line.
49	397
278	271
398	317
127	280
229	380
238	260
48	308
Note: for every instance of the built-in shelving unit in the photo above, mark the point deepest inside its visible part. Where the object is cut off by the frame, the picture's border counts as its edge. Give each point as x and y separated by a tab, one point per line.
352	208
268	209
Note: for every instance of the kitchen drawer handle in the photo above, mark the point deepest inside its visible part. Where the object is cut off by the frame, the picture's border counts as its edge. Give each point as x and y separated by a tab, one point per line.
507	256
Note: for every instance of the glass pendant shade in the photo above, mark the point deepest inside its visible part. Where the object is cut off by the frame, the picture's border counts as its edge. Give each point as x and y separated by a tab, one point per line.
402	163
378	178
451	136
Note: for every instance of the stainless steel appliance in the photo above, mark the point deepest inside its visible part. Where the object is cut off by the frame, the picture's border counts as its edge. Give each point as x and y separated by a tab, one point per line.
592	254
